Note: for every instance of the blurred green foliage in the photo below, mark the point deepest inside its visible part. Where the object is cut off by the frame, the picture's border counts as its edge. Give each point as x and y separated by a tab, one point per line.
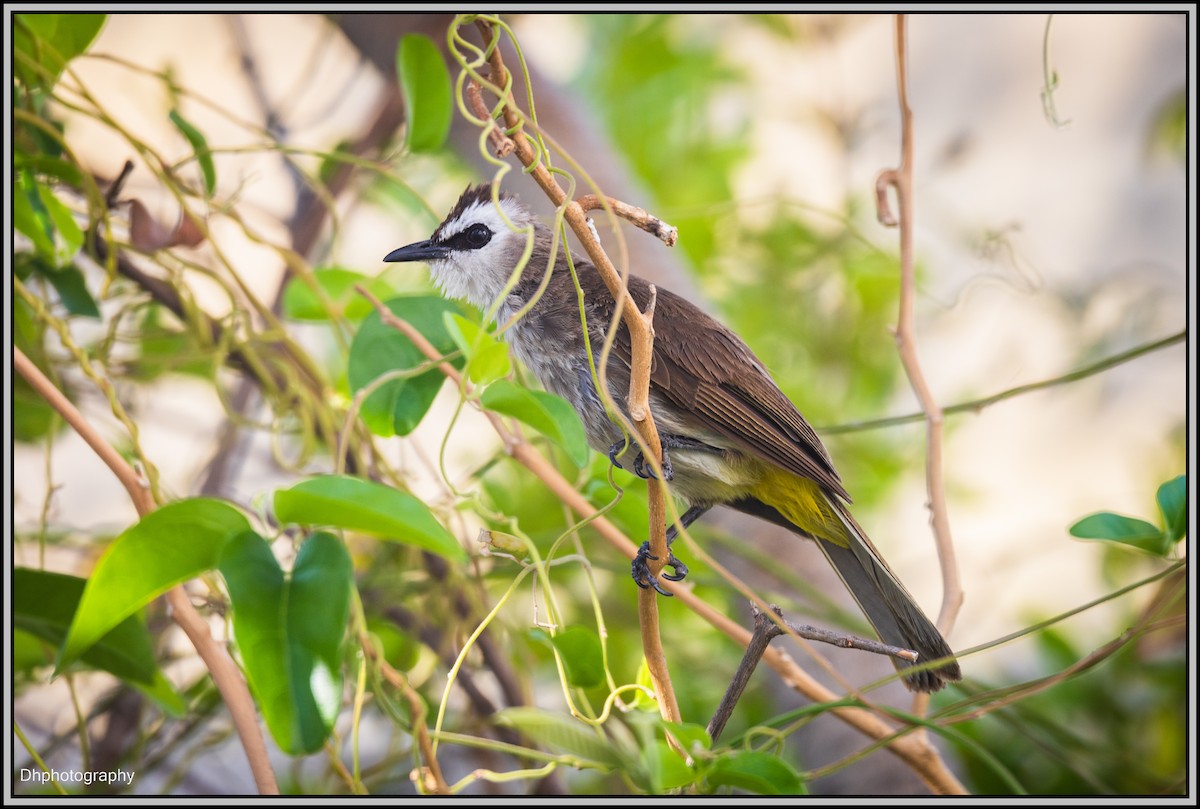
657	83
1119	728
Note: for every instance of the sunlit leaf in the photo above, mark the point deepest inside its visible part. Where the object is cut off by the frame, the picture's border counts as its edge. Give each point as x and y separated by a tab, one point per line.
550	415
170	545
487	357
362	505
688	735
300	302
56	39
427	97
64	223
44	603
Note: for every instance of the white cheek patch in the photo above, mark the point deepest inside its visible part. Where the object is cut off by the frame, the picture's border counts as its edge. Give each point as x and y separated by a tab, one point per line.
478	276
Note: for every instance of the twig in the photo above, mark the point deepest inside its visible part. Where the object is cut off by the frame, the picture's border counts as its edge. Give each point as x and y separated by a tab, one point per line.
224	672
976	405
669	234
921	757
502	144
431	773
844	641
641	335
906	343
765	631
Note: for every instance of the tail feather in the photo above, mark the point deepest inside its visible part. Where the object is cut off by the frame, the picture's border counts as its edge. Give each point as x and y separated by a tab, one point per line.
888	606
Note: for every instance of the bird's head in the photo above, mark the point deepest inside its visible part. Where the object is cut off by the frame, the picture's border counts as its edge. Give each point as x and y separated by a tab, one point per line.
474	250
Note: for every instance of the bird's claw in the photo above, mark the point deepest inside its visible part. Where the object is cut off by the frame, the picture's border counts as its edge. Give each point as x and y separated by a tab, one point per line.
616	449
645	472
645	579
640	467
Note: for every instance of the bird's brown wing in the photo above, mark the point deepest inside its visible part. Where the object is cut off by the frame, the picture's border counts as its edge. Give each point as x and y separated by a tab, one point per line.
706	370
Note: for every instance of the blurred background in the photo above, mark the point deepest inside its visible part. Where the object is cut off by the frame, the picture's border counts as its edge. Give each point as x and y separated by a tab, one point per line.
1051	233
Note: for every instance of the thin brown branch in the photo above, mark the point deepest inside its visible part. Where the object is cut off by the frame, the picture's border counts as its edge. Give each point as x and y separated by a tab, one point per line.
918	754
901	179
845	641
431	773
501	143
765	631
641	335
645	220
224	672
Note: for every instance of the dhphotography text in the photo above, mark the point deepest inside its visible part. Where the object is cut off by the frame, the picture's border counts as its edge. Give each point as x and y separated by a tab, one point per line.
76	776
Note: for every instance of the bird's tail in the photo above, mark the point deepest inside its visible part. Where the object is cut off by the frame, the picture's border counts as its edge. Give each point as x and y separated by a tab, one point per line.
889	607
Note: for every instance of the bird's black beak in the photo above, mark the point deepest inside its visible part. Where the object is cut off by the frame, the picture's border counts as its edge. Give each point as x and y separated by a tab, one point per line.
418	251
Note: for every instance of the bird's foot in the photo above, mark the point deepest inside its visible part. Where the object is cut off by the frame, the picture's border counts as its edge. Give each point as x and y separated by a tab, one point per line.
640	467
646	579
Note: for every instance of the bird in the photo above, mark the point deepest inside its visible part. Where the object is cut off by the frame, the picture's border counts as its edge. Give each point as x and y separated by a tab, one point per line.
730	436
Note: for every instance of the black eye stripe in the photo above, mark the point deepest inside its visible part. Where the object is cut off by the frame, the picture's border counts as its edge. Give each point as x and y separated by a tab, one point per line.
473	238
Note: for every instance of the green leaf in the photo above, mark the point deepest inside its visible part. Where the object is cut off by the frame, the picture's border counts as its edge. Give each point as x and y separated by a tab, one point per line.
56	40
200	147
487	357
73	292
29	652
427	97
32	417
665	768
1118	528
361	505
689	736
64	222
300	302
563	734
289	632
1172	502
398	406
40	215
645	701
752	771
27	219
67	280
399	648
172	544
550	415
44	605
52	167
582	656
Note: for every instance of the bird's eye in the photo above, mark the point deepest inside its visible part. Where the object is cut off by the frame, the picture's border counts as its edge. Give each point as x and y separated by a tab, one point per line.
478	235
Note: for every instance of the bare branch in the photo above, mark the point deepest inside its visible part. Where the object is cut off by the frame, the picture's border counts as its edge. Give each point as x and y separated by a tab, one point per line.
906	341
669	234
